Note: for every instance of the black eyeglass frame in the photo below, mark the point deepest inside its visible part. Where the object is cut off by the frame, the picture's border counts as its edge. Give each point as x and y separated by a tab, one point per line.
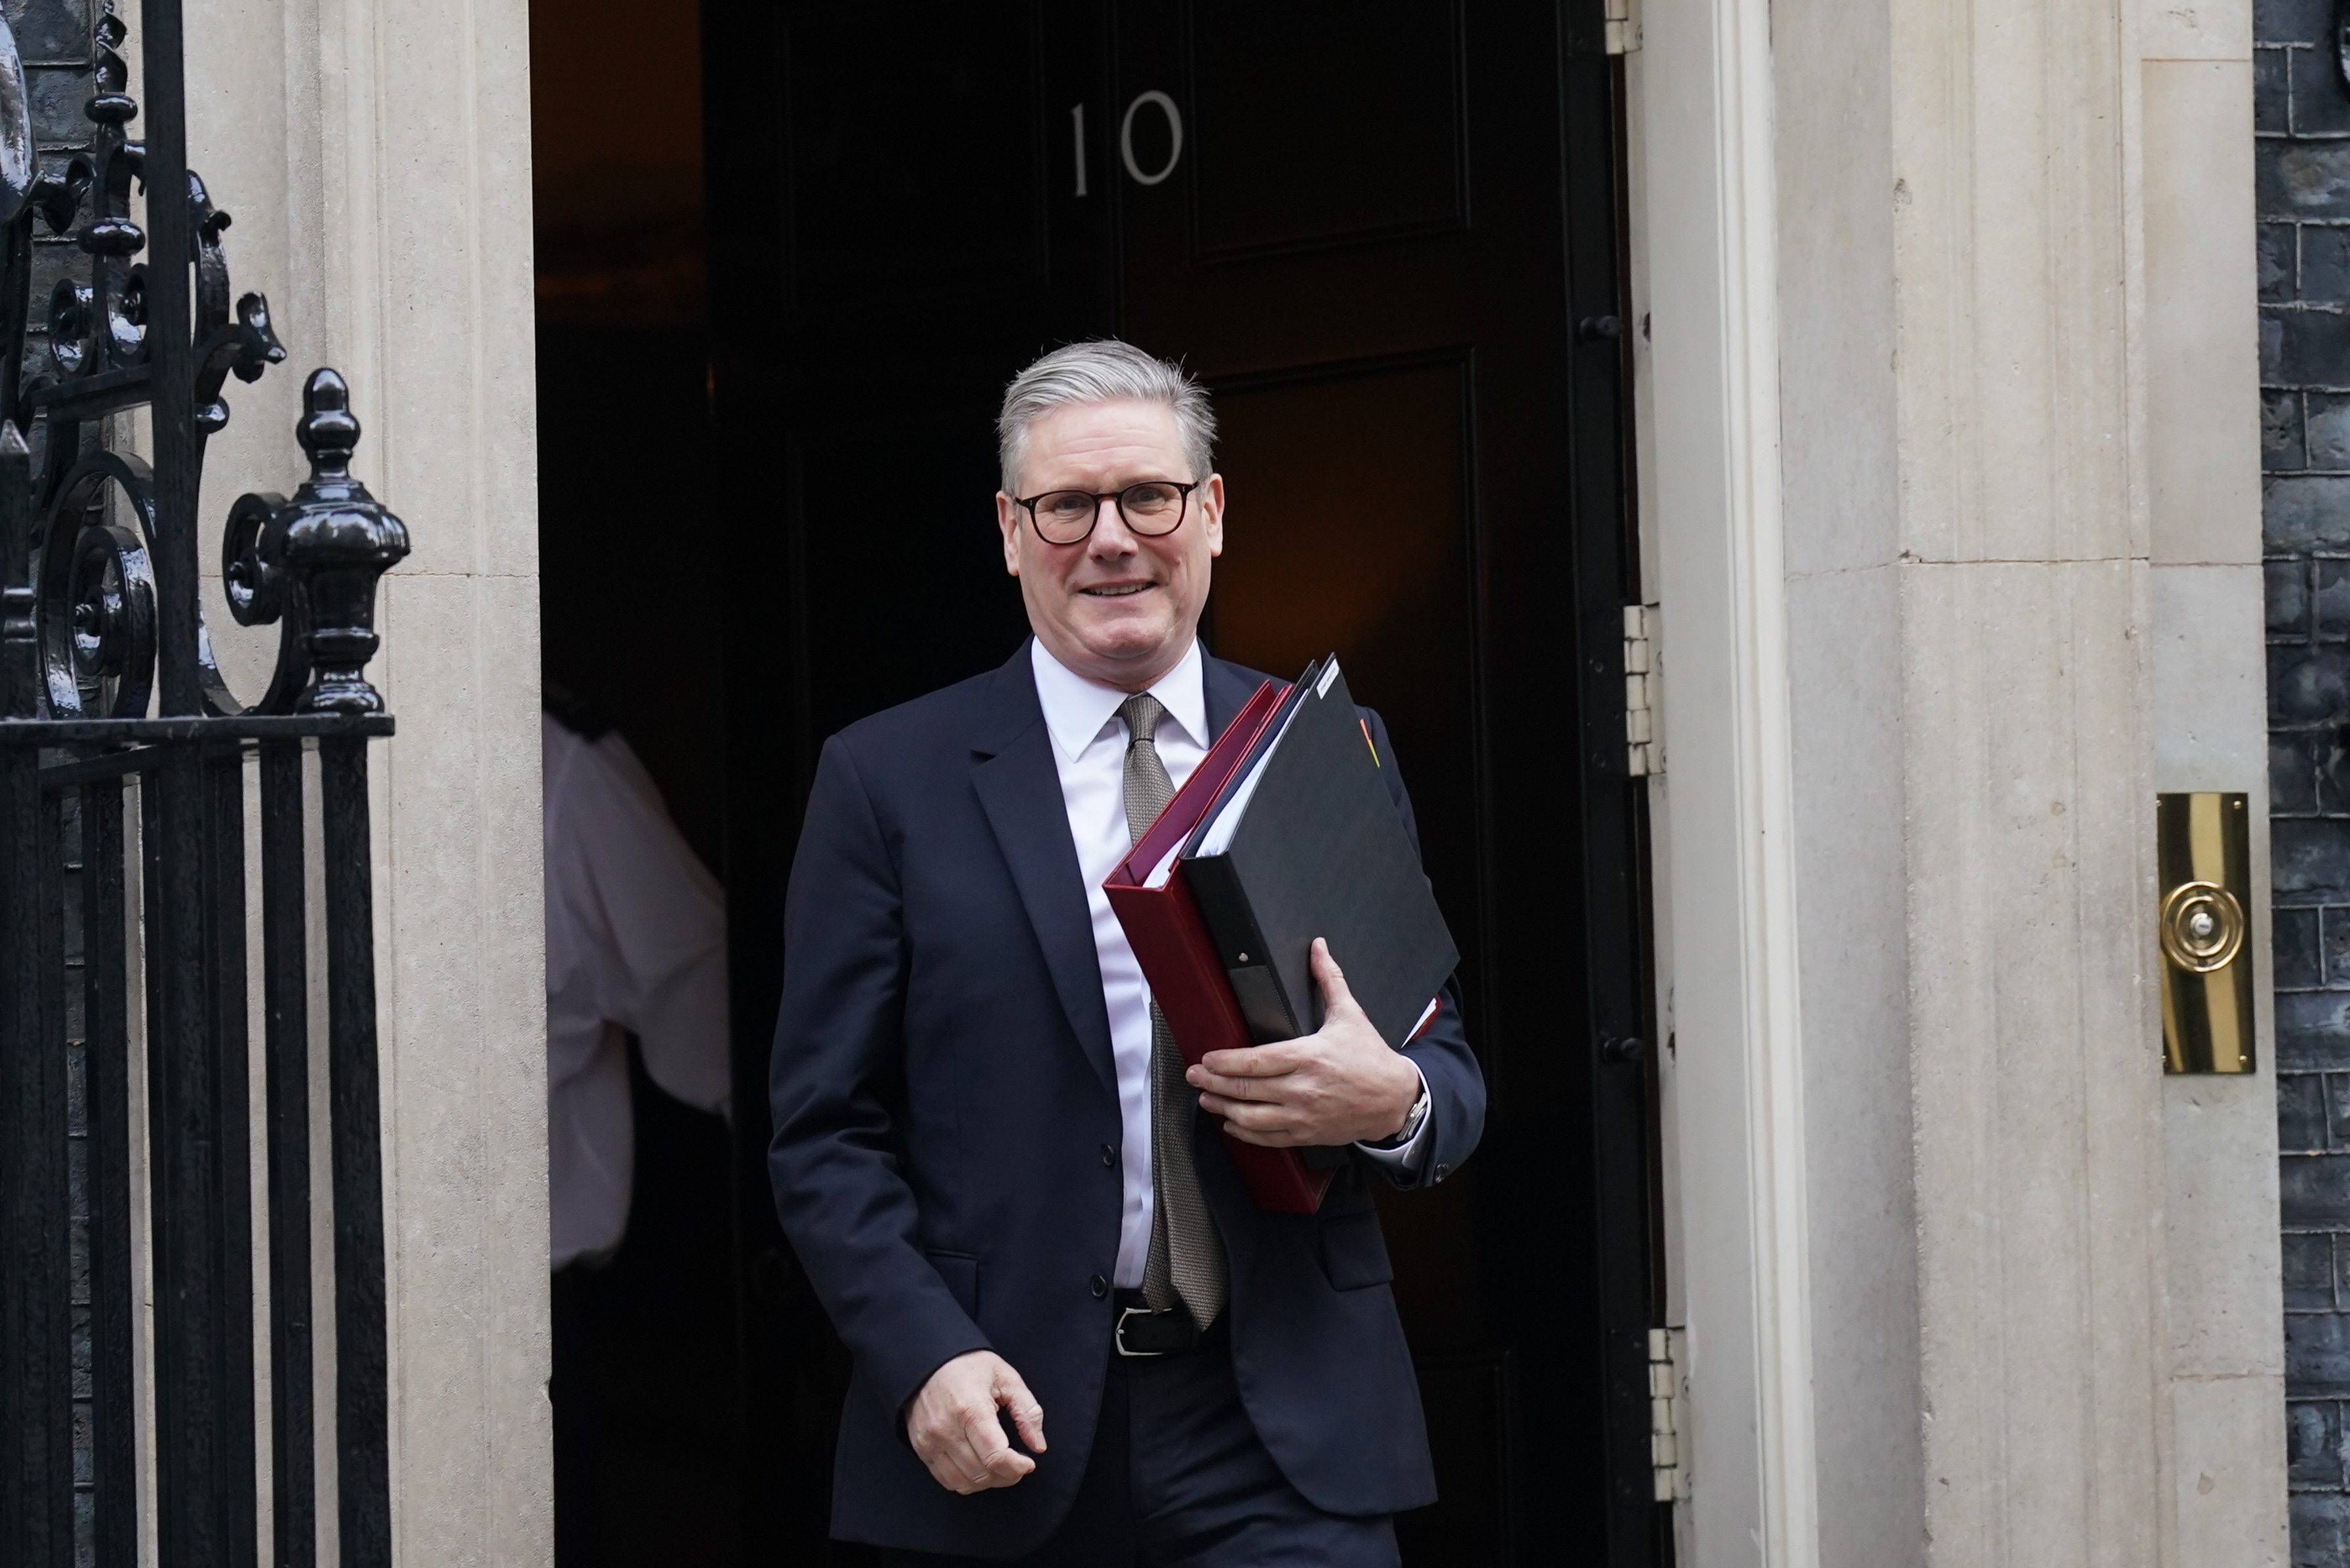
1182	510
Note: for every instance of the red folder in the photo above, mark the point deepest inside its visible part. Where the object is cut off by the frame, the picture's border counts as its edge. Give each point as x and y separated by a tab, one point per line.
1186	977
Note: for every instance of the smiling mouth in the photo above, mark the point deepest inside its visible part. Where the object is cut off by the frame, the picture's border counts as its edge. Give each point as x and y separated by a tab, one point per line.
1116	590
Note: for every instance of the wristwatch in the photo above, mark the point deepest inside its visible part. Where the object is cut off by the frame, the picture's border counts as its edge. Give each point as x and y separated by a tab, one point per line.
1411	1123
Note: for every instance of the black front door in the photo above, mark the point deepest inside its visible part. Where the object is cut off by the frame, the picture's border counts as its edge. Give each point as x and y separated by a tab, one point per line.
1388	236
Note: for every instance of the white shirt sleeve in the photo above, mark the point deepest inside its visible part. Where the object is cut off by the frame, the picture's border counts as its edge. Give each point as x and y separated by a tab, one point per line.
1406	1157
636	942
662	917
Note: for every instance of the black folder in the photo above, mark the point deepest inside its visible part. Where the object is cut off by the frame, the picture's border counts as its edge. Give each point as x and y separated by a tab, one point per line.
1317	849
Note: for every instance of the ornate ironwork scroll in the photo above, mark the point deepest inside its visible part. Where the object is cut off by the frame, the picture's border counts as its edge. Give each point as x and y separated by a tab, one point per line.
123	881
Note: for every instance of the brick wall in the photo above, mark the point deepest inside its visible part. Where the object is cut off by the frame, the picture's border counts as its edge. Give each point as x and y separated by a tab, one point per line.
2303	122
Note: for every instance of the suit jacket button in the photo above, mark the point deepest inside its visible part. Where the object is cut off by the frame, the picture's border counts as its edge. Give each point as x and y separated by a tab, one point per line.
1442	1171
1109	1157
1100	1287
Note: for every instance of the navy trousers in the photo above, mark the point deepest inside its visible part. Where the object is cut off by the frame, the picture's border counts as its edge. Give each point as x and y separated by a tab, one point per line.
1178	1480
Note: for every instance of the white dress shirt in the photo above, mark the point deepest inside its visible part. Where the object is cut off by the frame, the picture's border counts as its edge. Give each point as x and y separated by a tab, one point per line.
636	943
1089	743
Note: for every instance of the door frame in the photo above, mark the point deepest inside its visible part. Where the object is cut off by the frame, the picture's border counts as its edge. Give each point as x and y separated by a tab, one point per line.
1704	238
1701	235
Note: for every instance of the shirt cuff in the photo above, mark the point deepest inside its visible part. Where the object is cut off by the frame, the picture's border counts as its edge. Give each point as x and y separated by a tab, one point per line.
1406	1157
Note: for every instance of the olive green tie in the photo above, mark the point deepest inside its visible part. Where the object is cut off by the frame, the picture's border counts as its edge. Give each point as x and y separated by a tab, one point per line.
1186	1262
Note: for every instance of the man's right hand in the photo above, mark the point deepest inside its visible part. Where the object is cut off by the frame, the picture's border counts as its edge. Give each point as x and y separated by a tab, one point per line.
955	1429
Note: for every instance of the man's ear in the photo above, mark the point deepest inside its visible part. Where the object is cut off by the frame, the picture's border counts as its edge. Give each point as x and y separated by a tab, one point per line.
1211	513
1007	523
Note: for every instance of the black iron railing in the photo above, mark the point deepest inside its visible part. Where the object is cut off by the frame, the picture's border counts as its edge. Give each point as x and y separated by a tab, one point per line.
124	760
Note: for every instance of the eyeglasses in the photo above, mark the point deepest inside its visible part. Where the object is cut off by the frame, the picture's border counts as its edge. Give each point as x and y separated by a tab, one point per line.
1152	508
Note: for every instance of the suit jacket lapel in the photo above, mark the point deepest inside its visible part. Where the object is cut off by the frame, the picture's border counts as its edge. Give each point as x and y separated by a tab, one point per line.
1020	789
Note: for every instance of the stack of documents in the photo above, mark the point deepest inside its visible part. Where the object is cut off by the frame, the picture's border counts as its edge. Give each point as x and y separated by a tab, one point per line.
1284	833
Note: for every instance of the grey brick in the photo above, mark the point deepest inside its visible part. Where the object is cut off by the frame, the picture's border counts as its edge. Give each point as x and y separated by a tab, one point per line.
2321	1529
2325	277
2293	21
2330	750
2302	179
2285	594
59	97
2308	1269
2311	865
2300	962
2308	684
2301	1113
51	29
2292	772
2313	1194
2312	1443
2337	1111
2313	1029
2319	105
2329	422
2283	444
2332	761
2335	949
2304	346
2271	103
2317	1349
2305	512
2329	598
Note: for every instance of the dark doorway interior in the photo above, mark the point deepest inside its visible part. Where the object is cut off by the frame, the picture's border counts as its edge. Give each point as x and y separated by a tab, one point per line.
1387	233
647	1467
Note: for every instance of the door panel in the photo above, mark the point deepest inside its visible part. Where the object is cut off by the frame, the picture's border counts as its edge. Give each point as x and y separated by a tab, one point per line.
902	160
1319	123
1348	527
1467	1399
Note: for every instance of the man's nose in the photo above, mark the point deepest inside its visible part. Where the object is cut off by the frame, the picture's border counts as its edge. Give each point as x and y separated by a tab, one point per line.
1110	536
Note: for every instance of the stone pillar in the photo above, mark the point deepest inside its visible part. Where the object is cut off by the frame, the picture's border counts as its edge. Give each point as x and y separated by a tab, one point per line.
1843	564
2032	1030
376	155
2007	521
2224	1396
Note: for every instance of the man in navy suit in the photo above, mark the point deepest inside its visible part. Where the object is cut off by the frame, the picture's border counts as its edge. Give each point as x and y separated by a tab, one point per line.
1013	1198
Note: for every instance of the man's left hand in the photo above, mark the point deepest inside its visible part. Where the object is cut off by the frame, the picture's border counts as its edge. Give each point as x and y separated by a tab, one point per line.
1339	1085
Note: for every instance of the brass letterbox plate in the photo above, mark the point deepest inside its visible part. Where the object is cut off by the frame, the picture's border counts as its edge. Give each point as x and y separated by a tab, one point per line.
2203	924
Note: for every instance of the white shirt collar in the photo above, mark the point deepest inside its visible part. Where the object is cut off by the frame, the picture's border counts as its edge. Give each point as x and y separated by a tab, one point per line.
1076	709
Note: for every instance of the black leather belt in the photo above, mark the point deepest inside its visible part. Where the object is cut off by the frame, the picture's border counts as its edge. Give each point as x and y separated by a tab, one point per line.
1142	1332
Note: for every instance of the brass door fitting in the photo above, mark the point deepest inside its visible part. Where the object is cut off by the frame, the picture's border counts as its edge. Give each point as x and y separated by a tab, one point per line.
2203	848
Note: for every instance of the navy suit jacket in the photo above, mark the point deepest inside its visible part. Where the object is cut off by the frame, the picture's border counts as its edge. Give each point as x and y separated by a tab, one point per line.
943	1090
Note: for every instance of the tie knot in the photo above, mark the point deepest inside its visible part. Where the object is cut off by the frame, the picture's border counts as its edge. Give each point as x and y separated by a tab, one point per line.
1141	713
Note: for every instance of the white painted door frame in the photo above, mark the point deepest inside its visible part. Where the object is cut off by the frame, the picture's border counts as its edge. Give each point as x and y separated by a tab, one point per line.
1705	245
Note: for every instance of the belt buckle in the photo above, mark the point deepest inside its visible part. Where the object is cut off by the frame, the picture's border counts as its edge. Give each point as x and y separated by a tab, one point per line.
1117	1336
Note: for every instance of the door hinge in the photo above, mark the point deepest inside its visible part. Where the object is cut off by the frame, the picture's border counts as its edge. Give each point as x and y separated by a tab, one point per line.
1623	27
1665	1348
1644	743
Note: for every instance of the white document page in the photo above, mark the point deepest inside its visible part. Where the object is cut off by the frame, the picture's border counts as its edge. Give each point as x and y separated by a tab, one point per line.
1219	836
